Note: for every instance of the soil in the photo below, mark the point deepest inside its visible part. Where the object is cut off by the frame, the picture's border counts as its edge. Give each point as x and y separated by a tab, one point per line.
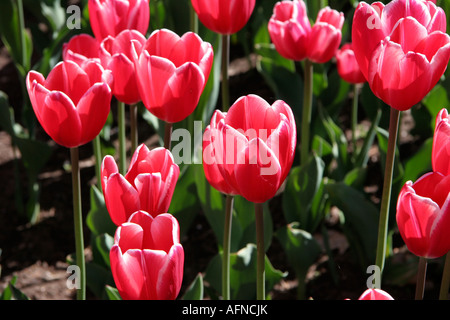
36	254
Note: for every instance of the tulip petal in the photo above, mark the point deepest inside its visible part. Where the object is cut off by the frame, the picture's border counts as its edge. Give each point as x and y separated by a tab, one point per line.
257	172
165	231
171	274
324	40
96	101
121	198
441	145
400	80
108	167
60	119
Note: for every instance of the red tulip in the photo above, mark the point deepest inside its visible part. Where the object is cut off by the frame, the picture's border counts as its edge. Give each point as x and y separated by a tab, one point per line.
81	48
347	65
172	72
116	55
224	16
148	185
441	144
252	146
402	49
423	215
375	294
110	17
147	258
73	103
295	39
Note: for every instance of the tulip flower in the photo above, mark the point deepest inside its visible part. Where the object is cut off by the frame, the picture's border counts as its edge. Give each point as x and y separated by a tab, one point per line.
148	185
440	158
116	55
294	37
81	48
224	16
402	49
252	146
73	103
110	17
375	294
172	72
347	66
147	258
423	215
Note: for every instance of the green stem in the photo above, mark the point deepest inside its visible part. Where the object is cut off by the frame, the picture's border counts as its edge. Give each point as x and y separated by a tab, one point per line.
421	276
98	160
193	20
78	222
260	272
307	110
22	30
354	118
122	138
168	135
226	248
445	283
387	188
133	127
225	64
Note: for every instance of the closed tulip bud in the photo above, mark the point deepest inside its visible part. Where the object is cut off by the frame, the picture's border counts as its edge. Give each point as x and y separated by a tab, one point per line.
73	103
401	48
110	17
440	158
116	55
224	16
147	258
375	294
347	66
294	37
252	146
172	72
148	185
423	215
81	48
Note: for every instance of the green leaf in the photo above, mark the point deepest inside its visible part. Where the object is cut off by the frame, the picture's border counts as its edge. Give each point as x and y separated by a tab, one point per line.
195	290
12	293
419	163
301	248
98	219
242	274
112	293
360	222
302	187
103	244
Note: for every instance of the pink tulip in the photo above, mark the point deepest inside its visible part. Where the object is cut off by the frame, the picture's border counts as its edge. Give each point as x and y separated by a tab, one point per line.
252	146
441	144
402	49
423	215
73	103
172	72
224	16
347	65
110	17
116	55
81	48
148	185
375	294
147	258
295	39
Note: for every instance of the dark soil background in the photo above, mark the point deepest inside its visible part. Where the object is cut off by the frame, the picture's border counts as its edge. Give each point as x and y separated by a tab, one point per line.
36	254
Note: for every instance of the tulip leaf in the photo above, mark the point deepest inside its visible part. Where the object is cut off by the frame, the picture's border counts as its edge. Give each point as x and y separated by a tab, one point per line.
185	204
195	290
98	219
112	293
419	163
11	292
302	251
360	220
302	187
97	278
242	274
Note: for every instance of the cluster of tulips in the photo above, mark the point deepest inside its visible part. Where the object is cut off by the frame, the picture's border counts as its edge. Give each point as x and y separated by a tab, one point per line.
400	49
